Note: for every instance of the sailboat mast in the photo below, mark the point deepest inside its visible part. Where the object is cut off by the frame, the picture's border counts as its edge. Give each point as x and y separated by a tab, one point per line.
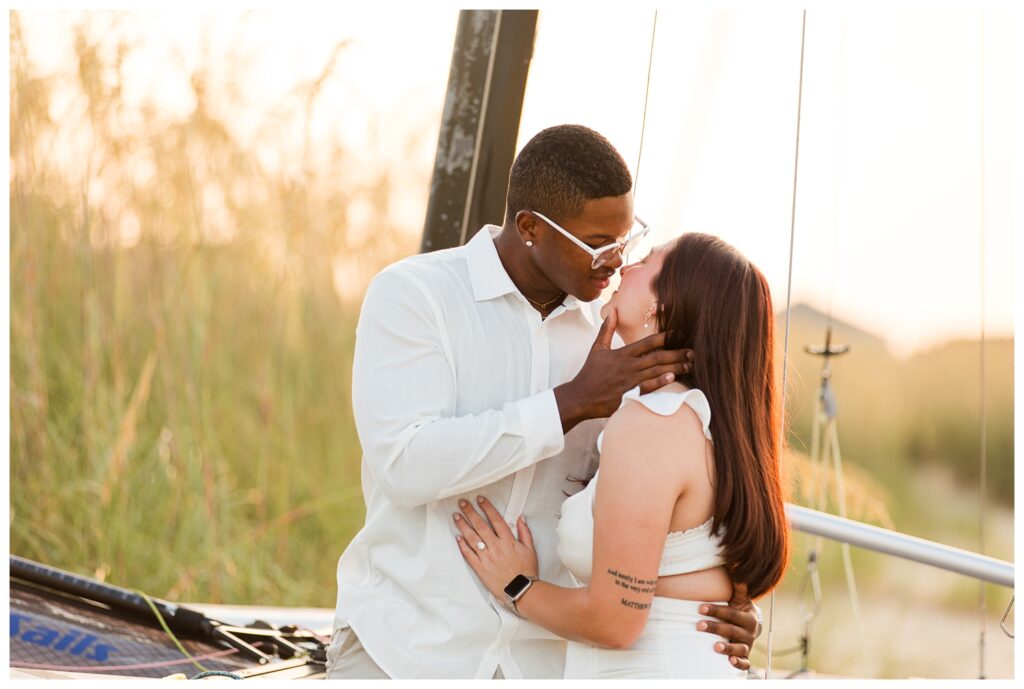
479	124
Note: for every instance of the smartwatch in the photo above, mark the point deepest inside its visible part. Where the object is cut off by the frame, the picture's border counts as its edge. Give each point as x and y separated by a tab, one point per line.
516	589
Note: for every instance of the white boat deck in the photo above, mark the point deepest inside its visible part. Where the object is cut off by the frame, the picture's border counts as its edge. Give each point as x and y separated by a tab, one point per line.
317	620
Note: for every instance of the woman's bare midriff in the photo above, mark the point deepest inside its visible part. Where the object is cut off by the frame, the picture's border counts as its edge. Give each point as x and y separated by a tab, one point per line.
709	584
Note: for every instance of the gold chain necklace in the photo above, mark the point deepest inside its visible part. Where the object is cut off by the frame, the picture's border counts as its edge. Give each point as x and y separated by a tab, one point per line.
561	295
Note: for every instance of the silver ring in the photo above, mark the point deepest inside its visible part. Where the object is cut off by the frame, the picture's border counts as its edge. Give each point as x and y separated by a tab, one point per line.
480	545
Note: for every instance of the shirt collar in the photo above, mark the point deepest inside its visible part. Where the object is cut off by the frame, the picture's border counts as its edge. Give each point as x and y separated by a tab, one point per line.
489	278
486	273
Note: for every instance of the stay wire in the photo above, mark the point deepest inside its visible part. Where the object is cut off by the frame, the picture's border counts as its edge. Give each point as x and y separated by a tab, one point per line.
160	619
643	119
833	432
789	294
117	668
647	93
1006	614
820	466
983	479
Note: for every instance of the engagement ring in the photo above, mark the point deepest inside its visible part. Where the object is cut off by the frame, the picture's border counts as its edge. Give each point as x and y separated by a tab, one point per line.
480	545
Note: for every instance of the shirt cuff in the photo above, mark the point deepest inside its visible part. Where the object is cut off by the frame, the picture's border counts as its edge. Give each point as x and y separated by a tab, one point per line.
542	426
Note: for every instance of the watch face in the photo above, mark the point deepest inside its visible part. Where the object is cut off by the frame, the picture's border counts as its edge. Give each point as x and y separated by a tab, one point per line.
517	586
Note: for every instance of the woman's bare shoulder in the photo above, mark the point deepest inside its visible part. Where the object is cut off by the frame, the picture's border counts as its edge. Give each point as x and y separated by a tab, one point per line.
636	429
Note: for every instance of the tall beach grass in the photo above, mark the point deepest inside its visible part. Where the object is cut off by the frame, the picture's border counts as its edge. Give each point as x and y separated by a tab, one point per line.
183	307
181	357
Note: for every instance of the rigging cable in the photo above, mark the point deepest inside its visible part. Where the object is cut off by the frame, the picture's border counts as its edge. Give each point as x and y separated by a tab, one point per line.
824	409
851	584
17	664
1006	613
167	630
983	480
643	119
647	93
789	293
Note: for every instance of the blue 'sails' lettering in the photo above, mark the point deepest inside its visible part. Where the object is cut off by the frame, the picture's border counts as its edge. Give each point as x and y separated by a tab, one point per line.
71	642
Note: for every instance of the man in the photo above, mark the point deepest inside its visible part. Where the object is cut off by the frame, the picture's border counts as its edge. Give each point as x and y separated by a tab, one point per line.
477	372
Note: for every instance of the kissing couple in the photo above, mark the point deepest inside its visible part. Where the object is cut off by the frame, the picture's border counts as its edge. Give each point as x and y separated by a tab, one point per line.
557	487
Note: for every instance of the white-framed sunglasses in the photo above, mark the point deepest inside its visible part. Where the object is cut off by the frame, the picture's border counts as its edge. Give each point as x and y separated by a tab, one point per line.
605	254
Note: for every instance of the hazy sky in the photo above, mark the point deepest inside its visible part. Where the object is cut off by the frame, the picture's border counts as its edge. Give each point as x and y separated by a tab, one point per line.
888	204
905	138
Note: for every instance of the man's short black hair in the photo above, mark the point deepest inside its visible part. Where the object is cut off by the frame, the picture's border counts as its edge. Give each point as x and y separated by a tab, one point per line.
560	169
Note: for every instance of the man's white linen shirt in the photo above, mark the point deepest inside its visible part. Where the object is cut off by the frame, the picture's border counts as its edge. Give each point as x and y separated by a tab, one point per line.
452	393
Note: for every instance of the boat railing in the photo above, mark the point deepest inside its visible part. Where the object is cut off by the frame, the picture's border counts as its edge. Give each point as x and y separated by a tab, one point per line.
900	545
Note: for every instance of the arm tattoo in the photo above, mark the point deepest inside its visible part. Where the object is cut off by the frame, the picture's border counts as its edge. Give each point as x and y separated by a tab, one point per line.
634	604
631	583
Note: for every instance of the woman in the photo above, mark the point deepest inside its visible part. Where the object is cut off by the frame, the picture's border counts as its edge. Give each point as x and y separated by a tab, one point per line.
685	503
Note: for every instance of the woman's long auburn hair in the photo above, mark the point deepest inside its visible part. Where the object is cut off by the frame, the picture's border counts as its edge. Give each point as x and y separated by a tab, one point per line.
717	303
